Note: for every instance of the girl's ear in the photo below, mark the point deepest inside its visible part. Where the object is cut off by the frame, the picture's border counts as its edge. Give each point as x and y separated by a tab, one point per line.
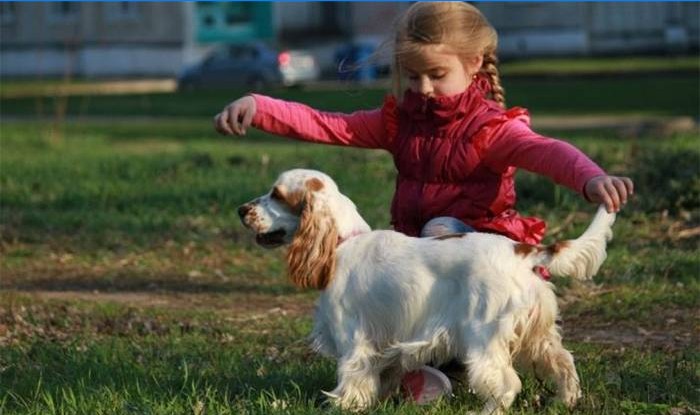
473	65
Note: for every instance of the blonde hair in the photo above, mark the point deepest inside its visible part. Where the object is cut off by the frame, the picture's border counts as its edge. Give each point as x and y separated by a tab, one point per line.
458	25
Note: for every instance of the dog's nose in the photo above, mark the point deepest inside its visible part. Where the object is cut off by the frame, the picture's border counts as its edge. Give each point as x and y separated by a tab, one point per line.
243	210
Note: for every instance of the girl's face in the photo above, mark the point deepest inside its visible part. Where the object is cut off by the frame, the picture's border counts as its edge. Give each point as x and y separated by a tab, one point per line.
435	71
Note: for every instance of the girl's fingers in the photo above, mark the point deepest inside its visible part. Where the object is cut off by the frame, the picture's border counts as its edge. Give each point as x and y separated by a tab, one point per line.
621	190
216	119
607	201
628	185
247	120
221	124
611	191
598	195
233	113
236	117
612	194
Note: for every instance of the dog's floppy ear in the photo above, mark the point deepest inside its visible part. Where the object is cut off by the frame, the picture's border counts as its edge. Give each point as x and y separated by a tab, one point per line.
311	255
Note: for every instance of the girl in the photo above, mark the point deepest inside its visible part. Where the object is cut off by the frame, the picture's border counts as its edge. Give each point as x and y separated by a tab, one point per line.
454	144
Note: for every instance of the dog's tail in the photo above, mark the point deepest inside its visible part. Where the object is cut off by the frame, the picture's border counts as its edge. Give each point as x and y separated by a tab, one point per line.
582	257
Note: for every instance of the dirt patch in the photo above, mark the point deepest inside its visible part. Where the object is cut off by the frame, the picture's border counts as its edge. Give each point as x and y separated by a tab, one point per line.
69	316
669	327
671	330
241	305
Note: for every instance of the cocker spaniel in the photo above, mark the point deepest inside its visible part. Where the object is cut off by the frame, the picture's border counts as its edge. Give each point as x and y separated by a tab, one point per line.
392	303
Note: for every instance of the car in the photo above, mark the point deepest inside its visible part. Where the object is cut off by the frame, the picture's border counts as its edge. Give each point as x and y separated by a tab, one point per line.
253	64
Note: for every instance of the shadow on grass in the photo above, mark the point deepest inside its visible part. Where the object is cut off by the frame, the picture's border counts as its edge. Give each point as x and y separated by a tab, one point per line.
147	283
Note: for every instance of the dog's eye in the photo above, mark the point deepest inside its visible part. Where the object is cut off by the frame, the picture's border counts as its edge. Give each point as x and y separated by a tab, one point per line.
276	194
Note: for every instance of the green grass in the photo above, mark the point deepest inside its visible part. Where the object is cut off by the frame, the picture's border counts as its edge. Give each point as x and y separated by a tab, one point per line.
103	183
129	286
136	361
603	65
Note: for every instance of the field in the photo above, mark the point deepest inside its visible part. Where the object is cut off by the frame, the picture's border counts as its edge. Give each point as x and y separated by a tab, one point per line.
128	285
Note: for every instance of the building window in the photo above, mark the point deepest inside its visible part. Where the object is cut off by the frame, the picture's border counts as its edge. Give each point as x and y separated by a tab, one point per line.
121	11
8	12
63	12
233	22
237	13
207	11
221	15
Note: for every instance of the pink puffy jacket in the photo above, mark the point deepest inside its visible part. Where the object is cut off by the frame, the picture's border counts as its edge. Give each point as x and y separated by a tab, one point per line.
456	156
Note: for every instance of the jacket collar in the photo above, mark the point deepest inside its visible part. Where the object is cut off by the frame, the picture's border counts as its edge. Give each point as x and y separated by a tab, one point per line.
442	110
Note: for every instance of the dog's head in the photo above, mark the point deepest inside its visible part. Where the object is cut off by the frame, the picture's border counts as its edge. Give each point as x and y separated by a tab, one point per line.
298	211
276	216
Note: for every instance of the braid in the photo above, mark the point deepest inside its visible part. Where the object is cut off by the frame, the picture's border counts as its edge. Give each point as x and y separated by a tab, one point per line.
490	68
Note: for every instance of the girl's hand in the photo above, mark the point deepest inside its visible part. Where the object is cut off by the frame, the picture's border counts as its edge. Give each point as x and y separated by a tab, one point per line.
236	117
612	191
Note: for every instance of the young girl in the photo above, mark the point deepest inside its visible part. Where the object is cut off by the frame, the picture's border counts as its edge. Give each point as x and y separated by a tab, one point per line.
455	145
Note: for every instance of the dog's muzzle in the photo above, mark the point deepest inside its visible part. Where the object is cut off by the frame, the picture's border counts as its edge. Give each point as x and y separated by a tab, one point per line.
271	239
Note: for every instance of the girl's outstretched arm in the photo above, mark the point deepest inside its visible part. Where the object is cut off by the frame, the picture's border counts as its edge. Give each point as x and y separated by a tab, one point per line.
295	120
517	145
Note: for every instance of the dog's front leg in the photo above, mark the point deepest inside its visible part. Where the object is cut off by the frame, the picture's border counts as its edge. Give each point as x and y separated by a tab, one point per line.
358	379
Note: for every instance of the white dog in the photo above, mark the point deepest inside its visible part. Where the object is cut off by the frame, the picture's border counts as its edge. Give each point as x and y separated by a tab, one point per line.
392	303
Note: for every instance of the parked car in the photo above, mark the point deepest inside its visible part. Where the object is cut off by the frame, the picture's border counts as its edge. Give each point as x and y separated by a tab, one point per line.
253	64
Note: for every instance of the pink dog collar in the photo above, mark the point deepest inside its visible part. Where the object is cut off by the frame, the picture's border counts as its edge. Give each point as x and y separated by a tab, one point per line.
543	272
353	234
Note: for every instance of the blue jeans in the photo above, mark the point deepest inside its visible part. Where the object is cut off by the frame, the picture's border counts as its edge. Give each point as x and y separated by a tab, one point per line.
444	225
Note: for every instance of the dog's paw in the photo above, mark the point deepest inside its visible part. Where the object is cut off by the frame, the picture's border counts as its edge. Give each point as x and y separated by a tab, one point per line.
570	394
348	402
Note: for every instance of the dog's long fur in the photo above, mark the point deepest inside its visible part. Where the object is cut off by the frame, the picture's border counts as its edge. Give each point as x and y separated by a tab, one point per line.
392	303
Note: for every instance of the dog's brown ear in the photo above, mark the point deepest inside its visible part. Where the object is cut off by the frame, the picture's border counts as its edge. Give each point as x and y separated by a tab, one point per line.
311	255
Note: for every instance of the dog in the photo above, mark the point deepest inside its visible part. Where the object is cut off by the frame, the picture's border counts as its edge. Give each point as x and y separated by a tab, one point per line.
391	303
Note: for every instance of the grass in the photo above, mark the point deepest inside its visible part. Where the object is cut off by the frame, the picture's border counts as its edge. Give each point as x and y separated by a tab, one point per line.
128	285
124	360
603	65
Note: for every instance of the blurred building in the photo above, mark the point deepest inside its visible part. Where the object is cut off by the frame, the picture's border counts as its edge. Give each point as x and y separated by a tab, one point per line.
94	39
594	28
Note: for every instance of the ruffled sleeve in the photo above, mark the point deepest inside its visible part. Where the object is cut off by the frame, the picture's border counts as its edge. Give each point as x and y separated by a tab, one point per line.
509	223
490	131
